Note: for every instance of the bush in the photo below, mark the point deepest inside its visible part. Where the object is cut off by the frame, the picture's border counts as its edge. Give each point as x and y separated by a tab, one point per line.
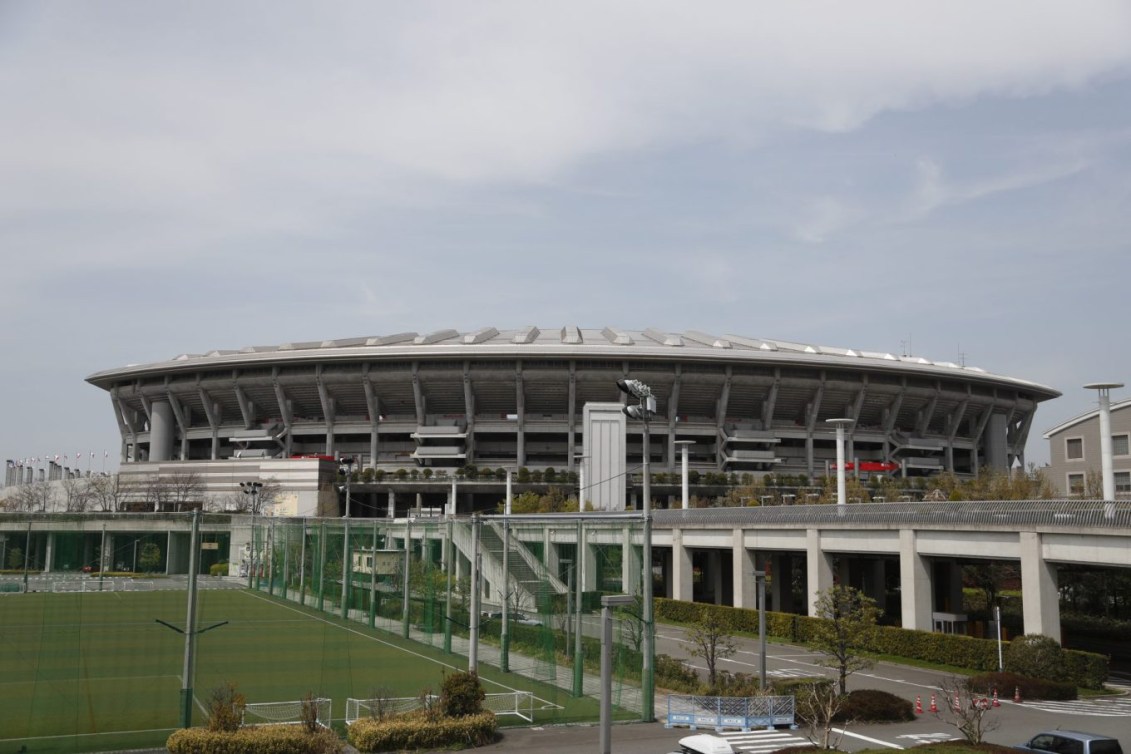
461	694
1030	688
1037	656
225	708
262	739
416	730
673	674
218	569
874	706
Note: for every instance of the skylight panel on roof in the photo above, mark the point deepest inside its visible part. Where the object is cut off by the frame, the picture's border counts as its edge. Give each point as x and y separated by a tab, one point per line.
617	337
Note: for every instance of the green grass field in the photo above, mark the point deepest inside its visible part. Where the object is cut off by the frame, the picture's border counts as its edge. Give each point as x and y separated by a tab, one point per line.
95	671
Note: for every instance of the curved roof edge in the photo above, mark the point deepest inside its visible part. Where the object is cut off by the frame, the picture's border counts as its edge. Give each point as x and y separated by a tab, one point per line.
571	339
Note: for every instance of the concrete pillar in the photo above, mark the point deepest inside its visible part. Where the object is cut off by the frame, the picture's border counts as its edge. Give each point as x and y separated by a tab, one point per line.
549	552
629	565
588	563
715	561
819	569
666	557
1039	595
915	584
682	581
49	558
743	567
392	513
161	425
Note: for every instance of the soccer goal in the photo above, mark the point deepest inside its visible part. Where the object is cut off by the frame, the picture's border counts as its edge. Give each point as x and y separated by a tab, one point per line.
518	703
379	707
83	585
286	713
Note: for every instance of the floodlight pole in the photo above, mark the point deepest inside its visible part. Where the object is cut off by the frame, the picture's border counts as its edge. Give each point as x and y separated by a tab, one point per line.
841	495
645	408
608	602
251	489
190	626
578	655
760	580
685	488
504	630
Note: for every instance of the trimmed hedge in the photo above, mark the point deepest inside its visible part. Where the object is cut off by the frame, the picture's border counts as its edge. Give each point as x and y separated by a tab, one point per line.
1086	669
417	730
875	706
262	739
1031	688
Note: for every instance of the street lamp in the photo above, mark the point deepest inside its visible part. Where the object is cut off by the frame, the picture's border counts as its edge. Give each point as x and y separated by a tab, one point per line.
251	489
840	424
644	410
608	602
345	465
760	580
1106	470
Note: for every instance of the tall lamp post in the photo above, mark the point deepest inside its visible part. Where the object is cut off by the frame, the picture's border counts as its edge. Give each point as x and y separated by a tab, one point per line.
760	579
608	602
251	489
645	410
840	485
684	483
1106	468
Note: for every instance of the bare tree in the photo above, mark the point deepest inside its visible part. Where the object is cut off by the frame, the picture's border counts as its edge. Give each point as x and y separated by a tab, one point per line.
185	492
631	624
240	502
711	640
105	493
817	706
34	497
967	710
77	495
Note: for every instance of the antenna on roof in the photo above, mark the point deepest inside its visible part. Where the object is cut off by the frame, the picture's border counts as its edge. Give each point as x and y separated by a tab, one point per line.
905	346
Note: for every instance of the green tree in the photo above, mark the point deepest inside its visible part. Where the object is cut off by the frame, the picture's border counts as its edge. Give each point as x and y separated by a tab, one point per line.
149	558
711	640
16	559
849	624
461	694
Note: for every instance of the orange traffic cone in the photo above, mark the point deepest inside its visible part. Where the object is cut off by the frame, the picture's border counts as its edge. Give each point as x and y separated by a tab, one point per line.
918	705
934	705
995	703
957	702
1017	695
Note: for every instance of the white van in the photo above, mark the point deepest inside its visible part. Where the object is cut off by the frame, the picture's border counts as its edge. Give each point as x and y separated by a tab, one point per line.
704	744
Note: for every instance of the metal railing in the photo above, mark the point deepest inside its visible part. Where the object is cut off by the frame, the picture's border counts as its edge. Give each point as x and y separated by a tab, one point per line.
1093	514
721	712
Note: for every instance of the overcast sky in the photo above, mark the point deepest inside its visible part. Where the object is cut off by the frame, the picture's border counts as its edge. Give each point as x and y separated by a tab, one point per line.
947	178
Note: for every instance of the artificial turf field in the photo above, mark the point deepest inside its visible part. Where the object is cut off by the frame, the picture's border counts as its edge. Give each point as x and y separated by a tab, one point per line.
96	671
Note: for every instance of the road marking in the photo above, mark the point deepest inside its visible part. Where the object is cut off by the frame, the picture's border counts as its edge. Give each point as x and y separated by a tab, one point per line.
759	741
876	741
1087	707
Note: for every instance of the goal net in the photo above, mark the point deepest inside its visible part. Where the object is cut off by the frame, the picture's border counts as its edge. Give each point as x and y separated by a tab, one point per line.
83	585
286	713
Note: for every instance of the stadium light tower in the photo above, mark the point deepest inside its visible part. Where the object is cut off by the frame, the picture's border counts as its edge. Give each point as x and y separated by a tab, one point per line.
840	471
345	464
251	489
644	410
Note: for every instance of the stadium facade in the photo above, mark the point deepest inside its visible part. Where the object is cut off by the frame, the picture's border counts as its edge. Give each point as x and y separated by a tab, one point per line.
517	398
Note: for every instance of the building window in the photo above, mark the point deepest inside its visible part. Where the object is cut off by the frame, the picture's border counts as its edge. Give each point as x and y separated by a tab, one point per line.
1123	483
1075	484
1119	445
1074	448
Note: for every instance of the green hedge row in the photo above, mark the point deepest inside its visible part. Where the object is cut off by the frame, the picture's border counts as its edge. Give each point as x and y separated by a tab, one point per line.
1087	669
263	739
420	731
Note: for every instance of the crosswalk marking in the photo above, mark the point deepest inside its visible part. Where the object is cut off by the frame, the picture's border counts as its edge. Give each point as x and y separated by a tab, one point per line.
762	740
1090	707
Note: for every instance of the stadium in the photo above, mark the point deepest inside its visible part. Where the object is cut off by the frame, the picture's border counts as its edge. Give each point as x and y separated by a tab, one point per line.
436	403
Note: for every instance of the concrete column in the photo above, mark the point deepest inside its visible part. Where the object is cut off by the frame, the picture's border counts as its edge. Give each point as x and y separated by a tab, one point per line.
916	604
629	565
781	570
819	569
742	560
392	513
549	552
588	563
682	583
161	431
1039	595
49	558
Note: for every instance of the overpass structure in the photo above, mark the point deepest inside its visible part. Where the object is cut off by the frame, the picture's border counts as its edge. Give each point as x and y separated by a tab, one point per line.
908	556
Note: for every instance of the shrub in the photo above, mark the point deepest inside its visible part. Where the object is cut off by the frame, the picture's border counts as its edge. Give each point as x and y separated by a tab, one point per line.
417	731
461	694
271	739
1037	656
874	706
1030	688
225	708
218	569
673	674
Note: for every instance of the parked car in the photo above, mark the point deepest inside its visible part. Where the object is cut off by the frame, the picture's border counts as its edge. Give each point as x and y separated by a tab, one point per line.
1071	742
520	618
704	744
